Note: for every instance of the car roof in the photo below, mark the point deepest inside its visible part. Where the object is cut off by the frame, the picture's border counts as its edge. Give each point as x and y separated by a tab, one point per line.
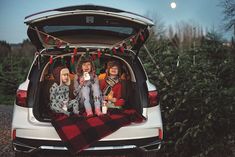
87	7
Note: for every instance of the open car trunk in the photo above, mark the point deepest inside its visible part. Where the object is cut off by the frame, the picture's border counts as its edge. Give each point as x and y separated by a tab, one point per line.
63	33
134	90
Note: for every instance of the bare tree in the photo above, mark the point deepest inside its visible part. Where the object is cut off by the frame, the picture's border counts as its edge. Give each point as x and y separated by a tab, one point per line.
159	28
188	33
229	14
170	32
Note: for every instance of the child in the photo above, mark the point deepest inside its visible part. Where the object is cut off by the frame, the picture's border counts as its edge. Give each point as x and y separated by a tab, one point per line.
59	93
111	86
86	83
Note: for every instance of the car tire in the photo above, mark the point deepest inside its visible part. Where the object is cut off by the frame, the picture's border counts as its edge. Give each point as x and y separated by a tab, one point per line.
20	154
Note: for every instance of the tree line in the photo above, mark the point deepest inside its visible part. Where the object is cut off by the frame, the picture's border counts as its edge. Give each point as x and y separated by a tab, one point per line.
194	72
15	60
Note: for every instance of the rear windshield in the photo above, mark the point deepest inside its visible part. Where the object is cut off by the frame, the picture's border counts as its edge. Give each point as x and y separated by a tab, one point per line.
122	30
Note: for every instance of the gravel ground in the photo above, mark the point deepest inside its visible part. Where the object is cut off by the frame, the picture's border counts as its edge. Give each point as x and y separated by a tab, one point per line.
5	133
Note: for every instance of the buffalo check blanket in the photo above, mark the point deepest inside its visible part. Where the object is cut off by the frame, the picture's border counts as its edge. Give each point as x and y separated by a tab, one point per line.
79	132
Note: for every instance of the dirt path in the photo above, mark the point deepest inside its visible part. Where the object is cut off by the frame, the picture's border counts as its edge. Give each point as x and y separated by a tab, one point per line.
5	133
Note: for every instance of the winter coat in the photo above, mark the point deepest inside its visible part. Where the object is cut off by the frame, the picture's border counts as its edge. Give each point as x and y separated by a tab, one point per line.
59	96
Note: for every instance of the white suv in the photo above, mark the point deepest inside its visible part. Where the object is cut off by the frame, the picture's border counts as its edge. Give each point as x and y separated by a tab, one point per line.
63	35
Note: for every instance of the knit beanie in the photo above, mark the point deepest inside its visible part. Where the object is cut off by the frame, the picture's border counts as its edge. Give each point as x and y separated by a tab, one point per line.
57	72
62	72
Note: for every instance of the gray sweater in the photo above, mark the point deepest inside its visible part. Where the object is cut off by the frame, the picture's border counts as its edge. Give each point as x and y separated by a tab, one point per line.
59	96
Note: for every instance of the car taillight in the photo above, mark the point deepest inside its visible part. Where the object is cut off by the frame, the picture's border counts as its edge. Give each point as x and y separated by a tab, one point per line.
13	134
21	97
160	134
153	98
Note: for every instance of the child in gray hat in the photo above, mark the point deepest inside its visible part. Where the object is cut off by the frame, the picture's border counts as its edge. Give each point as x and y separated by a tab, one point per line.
59	93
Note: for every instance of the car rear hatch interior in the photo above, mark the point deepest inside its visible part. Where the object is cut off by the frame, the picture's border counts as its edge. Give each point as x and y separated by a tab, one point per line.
64	34
41	79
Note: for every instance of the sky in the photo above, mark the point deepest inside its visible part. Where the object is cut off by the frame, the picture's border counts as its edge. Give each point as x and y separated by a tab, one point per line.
206	13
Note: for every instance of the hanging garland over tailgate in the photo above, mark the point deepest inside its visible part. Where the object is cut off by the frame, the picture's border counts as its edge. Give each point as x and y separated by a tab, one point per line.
49	40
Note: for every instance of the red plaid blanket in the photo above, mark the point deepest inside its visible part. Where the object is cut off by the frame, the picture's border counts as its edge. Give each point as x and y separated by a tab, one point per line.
79	133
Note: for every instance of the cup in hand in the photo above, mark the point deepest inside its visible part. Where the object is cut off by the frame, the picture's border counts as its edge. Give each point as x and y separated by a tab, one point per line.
104	107
65	104
86	76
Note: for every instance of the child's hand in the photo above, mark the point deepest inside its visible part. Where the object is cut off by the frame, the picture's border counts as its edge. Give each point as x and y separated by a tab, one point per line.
81	81
110	96
106	98
114	99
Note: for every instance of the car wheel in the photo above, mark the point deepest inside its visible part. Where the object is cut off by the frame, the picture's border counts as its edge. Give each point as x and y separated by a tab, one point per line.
20	154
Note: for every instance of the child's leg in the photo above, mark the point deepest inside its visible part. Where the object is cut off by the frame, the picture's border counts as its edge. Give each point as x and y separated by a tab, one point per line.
97	98
75	105
85	93
96	95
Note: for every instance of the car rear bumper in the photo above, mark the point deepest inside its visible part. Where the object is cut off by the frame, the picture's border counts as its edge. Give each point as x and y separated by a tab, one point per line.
32	145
